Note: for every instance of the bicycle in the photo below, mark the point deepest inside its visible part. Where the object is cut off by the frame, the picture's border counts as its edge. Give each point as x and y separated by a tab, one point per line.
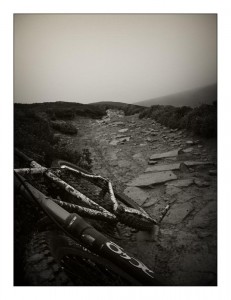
71	244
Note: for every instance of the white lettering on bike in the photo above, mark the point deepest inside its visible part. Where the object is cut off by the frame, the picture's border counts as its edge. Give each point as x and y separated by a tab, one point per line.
136	263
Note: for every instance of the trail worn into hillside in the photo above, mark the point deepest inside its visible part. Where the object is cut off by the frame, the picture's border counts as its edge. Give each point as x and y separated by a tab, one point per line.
157	166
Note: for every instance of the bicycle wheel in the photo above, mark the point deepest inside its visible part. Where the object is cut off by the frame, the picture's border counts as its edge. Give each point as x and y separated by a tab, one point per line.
97	190
53	259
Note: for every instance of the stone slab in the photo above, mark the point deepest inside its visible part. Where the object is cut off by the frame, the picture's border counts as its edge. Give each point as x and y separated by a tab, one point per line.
160	168
136	194
178	213
165	154
181	183
198	163
149	179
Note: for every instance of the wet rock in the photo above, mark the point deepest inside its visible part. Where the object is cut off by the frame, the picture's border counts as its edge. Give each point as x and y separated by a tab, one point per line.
181	183
120	136
160	168
190	143
119	140
117	124
177	213
149	139
171	158
201	183
150	179
114	142
165	154
136	194
142	145
187	150
123	130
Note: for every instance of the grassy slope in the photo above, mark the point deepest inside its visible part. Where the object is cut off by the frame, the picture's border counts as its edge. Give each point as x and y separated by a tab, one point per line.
192	98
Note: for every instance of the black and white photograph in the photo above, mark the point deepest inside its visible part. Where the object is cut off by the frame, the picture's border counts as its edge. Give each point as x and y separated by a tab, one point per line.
115	149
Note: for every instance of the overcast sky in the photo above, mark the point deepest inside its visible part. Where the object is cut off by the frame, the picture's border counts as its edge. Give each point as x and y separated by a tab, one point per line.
112	57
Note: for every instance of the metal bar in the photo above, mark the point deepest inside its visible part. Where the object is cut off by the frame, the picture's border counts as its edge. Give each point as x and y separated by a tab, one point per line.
138	213
30	171
111	192
84	174
163	213
75	192
98	243
35	168
123	198
22	155
112	197
77	227
32	194
85	211
68	187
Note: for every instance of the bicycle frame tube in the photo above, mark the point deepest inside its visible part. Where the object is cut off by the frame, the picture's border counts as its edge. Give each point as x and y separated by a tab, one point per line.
140	212
79	229
31	193
101	245
38	169
122	198
30	171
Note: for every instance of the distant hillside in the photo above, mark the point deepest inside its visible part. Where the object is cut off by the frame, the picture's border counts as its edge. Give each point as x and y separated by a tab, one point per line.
192	98
63	108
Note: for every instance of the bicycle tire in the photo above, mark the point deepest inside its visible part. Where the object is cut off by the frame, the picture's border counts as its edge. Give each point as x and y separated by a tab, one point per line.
133	221
40	266
53	259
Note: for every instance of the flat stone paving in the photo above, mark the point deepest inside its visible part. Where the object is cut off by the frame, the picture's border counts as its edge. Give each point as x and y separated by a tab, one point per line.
184	250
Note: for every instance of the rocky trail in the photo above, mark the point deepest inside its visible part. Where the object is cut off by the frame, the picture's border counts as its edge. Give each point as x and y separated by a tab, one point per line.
156	166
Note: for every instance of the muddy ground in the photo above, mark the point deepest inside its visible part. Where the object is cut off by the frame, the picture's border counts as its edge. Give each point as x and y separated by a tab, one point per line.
184	248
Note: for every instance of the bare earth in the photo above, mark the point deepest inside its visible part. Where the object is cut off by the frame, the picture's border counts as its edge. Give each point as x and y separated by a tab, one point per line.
184	249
